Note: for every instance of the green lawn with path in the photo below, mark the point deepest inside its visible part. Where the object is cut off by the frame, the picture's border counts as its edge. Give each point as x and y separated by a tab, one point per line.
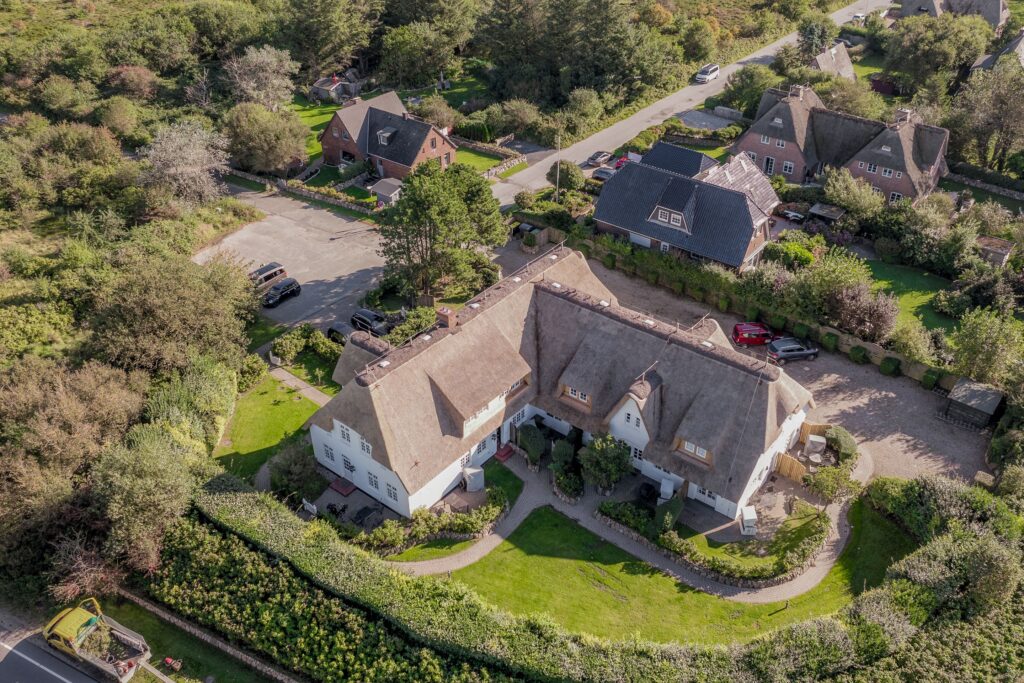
754	553
495	474
481	161
870	63
316	117
264	417
552	565
914	289
312	369
199	661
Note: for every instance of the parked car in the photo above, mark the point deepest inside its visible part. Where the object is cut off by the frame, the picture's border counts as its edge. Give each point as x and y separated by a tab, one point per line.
336	335
859	18
599	158
752	334
844	41
603	173
708	73
621	161
790	348
267	274
371	321
280	291
793	216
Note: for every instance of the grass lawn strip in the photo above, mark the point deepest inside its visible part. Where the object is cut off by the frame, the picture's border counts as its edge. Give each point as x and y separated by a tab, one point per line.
316	117
262	331
513	170
264	417
914	289
314	370
495	474
795	529
198	659
481	161
550	564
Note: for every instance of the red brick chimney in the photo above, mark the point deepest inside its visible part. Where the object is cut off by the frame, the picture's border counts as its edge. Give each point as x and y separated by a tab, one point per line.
447	317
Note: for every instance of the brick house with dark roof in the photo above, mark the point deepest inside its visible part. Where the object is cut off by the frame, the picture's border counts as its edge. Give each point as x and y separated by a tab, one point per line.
719	214
382	132
794	135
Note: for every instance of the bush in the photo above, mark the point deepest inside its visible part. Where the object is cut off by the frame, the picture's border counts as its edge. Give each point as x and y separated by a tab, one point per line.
830	340
930	378
608	260
569	483
1007	448
628	514
532	441
252	372
319	344
530	239
562	455
801	330
723	304
667	514
289	345
293	473
859	355
525	199
842	442
777	321
888	250
890	366
752	313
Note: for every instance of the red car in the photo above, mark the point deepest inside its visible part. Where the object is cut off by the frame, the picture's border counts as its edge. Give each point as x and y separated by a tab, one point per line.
620	162
752	334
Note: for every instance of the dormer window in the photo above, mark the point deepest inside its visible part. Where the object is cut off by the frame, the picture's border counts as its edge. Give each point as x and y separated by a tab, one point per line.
676	220
575	393
886	148
384	135
776	121
663	215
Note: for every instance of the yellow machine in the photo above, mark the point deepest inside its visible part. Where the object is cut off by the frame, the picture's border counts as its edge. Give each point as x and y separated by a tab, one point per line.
87	635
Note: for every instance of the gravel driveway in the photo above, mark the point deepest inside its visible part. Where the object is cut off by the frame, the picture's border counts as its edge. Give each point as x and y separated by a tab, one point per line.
893	418
333	257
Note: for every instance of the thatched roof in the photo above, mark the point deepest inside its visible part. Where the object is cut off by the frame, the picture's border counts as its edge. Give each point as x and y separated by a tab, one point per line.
556	322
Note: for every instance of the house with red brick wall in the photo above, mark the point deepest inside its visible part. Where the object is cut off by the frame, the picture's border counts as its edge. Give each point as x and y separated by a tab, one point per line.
795	136
383	133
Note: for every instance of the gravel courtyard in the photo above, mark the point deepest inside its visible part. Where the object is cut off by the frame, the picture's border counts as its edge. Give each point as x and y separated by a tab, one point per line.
893	418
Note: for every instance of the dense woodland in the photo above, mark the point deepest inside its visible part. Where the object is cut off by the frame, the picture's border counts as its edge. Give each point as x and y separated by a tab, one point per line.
120	358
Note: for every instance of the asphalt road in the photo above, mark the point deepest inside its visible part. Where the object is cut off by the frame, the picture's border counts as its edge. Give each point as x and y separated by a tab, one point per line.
29	661
532	178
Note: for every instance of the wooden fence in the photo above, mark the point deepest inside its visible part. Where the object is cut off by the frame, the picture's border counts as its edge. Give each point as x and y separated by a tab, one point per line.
809	428
790	467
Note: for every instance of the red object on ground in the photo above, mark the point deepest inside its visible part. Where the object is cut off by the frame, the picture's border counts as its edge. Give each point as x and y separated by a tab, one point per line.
752	334
622	161
343	486
504	453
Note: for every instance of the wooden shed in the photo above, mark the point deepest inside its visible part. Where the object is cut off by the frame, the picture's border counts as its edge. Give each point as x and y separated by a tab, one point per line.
973	403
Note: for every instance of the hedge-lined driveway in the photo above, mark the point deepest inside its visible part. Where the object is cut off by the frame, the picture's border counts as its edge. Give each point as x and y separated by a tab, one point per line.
893	418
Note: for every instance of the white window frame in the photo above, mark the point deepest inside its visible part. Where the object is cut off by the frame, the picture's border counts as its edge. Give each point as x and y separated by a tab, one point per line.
663	215
464	460
702	453
344	135
899	174
872	168
636	423
860	164
629	418
638	453
766	140
365	446
349	467
676	219
895	197
780	143
345	432
753	156
689	447
573	393
769	161
328	452
584	397
374	482
787	167
392	492
664	247
887	173
481	447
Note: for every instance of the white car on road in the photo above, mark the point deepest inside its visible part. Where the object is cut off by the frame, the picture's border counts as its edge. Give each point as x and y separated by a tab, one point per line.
708	73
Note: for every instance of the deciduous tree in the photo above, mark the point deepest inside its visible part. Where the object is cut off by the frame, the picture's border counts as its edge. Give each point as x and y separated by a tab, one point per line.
184	159
265	141
816	32
262	75
989	346
743	89
604	461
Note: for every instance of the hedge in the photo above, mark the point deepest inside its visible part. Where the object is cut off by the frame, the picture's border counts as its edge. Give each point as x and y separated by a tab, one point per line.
723	304
801	330
890	366
830	340
930	378
858	354
777	321
753	312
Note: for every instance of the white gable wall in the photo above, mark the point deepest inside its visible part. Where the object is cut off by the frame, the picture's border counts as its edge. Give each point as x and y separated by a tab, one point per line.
449	478
633	431
788	435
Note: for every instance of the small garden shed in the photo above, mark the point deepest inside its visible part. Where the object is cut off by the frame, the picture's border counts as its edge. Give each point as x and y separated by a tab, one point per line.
973	402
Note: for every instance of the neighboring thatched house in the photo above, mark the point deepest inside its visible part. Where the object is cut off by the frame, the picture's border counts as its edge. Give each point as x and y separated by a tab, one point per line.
995	12
683	202
794	135
382	132
995	250
551	344
836	61
1013	50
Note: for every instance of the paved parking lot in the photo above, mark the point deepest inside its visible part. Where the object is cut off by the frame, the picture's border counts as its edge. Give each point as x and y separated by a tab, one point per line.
333	257
892	418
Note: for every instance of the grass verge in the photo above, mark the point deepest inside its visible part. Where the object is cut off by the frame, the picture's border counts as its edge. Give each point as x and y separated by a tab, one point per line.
513	170
550	564
478	160
263	330
264	417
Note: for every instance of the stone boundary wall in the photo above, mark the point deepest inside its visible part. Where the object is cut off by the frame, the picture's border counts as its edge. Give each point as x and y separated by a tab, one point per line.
511	162
284	187
988	187
271	672
703	571
352	181
510	157
561	495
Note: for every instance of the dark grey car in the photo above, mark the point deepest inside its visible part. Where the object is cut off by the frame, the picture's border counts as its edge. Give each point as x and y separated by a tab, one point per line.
281	291
604	173
786	349
371	321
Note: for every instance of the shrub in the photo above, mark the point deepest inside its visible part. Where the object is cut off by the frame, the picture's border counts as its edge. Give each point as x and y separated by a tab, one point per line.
569	483
723	304
289	345
628	514
562	455
293	472
1007	448
801	330
752	313
930	378
888	250
532	441
530	239
525	199
833	484
859	355
890	366
609	261
667	514
605	460
842	442
777	321
252	372
830	340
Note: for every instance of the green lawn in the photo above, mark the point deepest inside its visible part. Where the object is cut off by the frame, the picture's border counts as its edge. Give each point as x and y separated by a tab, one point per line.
495	474
316	117
716	153
914	289
199	660
265	416
513	170
795	529
360	195
327	175
263	330
1013	205
462	90
245	182
868	64
550	564
478	160
314	370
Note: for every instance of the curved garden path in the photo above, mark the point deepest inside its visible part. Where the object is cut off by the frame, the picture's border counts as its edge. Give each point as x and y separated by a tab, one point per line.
537	493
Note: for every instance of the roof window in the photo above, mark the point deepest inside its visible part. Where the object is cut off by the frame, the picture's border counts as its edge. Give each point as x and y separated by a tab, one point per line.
886	148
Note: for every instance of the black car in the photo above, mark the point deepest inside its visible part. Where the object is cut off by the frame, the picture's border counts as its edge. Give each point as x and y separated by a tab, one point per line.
604	173
336	335
371	321
287	287
786	349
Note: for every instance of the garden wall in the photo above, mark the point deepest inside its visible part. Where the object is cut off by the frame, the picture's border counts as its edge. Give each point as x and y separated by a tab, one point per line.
284	187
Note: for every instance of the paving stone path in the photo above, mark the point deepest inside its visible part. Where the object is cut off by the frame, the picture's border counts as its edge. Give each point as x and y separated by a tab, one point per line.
537	493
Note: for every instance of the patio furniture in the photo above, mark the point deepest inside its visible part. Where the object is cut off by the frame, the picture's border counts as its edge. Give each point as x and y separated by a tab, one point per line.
815	444
815	458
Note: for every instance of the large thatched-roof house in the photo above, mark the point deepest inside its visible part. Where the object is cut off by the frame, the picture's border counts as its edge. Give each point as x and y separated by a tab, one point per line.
551	343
